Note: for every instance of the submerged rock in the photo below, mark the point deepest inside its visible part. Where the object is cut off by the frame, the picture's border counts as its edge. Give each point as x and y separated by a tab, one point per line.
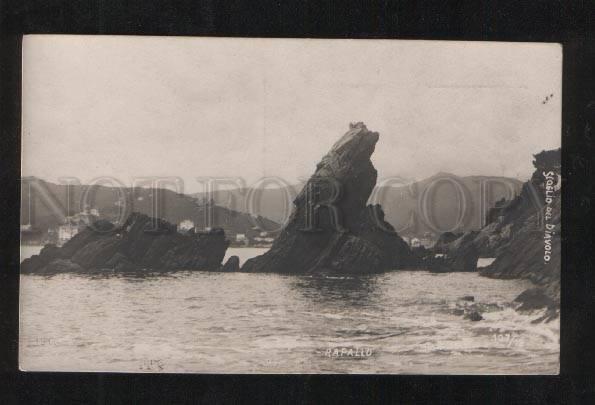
473	316
331	228
140	243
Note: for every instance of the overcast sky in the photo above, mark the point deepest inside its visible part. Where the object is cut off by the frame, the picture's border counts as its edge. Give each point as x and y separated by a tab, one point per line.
189	107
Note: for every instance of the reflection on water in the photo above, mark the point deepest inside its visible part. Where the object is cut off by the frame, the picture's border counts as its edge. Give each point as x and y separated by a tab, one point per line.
269	323
337	290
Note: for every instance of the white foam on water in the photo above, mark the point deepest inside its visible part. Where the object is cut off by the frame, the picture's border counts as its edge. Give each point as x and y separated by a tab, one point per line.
235	322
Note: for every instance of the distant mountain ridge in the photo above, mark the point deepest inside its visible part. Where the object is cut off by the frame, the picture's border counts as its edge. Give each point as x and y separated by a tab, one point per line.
430	204
44	205
445	202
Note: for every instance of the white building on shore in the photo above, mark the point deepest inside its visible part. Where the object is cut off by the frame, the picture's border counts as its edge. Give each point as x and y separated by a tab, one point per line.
185	226
74	224
67	232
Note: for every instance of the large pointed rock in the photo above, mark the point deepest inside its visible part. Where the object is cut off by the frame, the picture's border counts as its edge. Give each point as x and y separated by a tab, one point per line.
331	228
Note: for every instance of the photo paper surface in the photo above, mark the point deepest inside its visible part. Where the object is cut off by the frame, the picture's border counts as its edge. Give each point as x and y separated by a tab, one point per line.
251	205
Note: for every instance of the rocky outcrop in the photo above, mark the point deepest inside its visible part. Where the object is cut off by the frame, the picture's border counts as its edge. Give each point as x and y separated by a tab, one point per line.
454	253
524	238
534	298
442	244
62	266
232	264
473	316
526	257
141	244
534	249
331	228
474	311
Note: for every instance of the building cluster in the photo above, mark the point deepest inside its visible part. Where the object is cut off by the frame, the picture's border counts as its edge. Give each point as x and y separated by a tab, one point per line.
263	239
59	234
74	224
254	237
427	240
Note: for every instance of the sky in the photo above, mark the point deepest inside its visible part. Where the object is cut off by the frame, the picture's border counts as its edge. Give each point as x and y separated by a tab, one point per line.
128	107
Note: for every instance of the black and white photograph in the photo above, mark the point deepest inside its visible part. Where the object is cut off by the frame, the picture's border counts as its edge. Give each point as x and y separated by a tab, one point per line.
290	206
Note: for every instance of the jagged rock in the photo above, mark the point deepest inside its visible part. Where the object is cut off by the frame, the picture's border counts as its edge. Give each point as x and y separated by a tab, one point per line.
522	243
97	253
201	251
458	254
441	245
47	254
121	264
61	266
232	264
141	242
524	255
462	253
534	298
348	238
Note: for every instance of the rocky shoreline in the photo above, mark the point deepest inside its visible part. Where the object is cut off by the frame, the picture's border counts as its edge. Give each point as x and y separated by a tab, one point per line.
523	238
141	245
332	229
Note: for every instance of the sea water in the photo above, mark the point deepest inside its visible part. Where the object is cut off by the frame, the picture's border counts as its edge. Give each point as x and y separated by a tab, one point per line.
205	322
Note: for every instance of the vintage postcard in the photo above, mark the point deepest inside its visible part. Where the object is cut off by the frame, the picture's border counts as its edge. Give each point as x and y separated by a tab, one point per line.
251	205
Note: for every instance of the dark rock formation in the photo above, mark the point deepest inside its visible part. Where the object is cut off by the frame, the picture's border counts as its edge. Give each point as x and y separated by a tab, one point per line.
474	311
533	249
331	228
141	243
35	263
61	266
453	253
524	238
473	316
534	298
441	245
232	264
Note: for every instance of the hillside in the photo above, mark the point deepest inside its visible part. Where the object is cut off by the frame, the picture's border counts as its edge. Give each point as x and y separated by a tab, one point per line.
271	206
440	193
45	205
